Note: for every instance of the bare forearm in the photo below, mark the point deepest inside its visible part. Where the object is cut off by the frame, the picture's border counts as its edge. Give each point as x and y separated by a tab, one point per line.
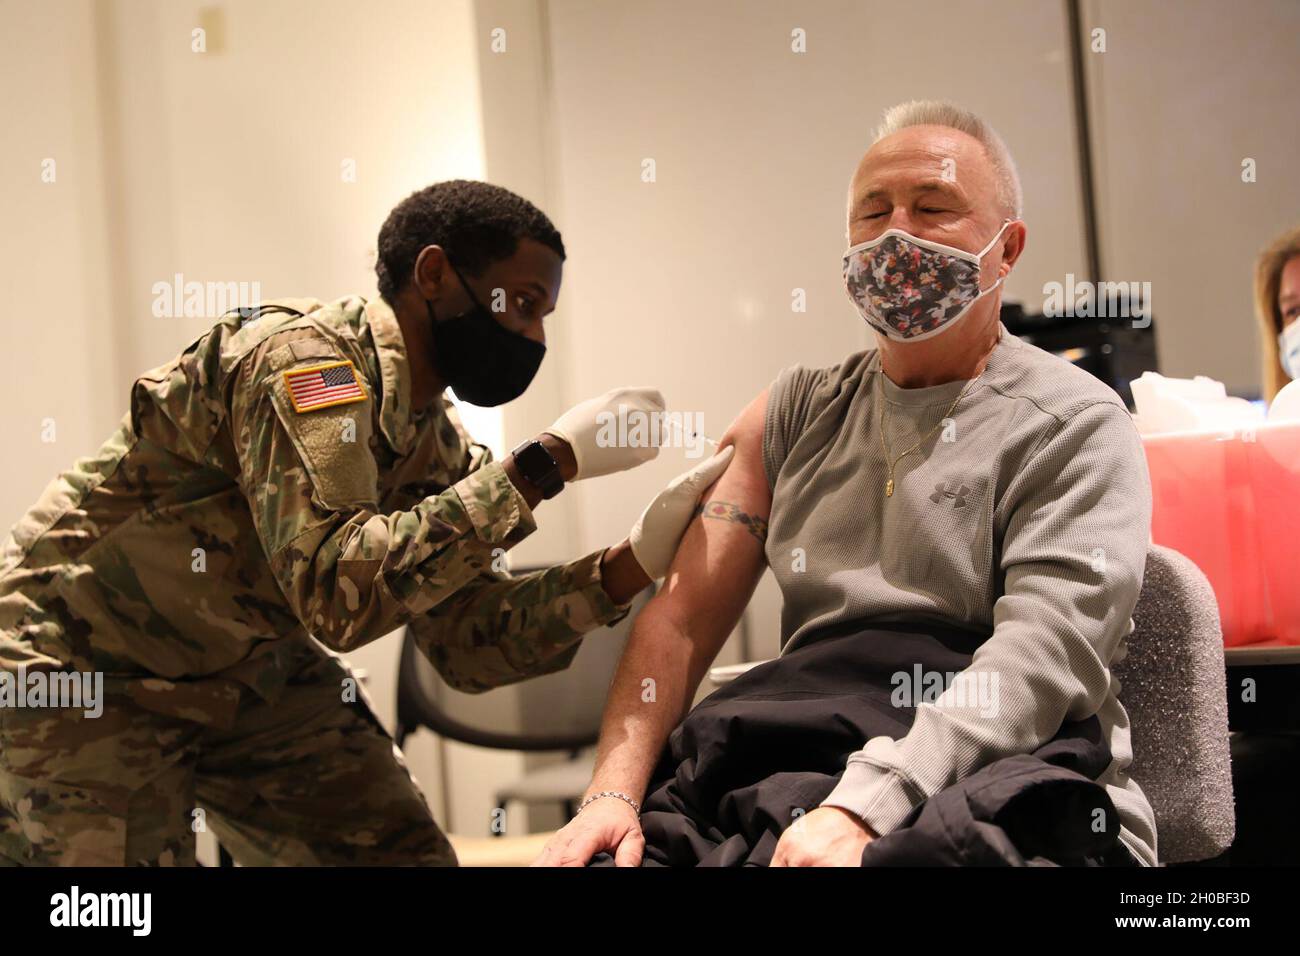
621	575
680	632
651	692
666	658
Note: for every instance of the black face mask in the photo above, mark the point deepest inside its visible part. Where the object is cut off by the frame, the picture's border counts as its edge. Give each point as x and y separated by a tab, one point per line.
485	363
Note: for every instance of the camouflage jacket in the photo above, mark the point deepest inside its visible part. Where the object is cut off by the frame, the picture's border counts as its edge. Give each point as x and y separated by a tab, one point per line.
219	525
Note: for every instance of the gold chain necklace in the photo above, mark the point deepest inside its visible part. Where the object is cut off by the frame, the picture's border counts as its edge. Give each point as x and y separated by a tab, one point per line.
889	484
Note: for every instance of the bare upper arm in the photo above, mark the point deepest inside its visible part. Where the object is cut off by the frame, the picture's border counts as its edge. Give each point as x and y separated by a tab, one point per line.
721	558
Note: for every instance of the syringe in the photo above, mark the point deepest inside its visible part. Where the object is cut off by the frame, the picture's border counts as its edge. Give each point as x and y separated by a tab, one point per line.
682	429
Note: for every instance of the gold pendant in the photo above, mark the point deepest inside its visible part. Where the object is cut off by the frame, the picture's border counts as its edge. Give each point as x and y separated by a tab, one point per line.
889	488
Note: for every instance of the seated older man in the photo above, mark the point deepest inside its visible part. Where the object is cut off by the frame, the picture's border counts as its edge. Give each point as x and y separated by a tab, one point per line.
958	522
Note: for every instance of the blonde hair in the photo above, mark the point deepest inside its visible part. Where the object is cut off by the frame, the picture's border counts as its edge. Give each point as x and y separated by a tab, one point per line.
1268	279
939	113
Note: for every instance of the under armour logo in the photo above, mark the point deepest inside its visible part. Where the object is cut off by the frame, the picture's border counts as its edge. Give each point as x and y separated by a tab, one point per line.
959	495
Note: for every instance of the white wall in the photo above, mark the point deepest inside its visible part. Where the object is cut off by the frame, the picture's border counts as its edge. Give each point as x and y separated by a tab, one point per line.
58	343
224	166
686	282
1184	93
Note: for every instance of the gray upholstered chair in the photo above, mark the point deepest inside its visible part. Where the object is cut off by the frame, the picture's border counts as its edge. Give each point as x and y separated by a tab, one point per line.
1173	687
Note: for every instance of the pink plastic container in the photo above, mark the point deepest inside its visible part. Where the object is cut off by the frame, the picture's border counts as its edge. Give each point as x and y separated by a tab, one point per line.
1231	503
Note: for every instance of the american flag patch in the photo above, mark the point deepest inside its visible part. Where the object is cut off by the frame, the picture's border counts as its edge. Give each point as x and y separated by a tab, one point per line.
321	386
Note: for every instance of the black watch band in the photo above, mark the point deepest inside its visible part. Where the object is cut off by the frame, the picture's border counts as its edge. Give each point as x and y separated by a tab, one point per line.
538	467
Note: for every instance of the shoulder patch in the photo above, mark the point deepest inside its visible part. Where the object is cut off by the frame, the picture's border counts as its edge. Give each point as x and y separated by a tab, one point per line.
333	441
323	386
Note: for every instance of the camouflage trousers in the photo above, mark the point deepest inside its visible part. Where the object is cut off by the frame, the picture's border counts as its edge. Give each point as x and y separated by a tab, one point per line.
309	780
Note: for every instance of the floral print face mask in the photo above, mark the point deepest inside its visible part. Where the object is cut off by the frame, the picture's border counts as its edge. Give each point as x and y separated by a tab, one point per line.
910	289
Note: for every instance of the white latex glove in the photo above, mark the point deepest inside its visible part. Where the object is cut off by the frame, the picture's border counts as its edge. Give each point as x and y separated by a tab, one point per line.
592	429
659	530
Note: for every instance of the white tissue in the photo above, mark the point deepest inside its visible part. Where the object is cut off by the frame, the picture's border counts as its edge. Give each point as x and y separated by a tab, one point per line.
1196	404
1286	404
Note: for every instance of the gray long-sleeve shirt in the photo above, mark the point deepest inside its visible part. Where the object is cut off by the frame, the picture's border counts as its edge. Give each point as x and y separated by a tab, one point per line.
1025	517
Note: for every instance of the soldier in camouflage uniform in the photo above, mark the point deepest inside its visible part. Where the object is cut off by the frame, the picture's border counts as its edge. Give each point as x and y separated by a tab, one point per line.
231	519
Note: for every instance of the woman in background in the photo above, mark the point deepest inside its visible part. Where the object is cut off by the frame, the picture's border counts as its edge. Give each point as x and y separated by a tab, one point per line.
1277	305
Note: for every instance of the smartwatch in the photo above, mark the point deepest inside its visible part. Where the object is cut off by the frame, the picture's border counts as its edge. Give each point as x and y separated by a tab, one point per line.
538	468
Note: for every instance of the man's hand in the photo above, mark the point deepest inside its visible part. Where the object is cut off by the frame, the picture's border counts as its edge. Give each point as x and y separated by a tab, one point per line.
588	427
643	556
606	825
828	836
658	532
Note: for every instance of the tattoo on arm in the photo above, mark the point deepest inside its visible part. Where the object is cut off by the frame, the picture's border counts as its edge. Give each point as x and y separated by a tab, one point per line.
726	511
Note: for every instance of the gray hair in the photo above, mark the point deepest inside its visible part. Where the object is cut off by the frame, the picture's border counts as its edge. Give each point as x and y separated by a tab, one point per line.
938	113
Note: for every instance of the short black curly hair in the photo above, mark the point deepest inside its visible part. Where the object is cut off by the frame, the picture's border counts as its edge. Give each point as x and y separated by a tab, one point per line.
475	223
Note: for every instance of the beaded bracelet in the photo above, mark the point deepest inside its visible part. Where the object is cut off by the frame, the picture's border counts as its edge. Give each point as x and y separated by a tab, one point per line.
611	793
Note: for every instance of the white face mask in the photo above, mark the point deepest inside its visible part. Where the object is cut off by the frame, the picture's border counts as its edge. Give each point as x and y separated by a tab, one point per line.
1288	346
910	289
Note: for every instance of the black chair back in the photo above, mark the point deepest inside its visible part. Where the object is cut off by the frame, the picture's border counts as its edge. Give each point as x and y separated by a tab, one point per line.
559	711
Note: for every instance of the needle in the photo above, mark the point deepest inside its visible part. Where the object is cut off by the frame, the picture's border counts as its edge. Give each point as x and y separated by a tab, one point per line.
682	428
